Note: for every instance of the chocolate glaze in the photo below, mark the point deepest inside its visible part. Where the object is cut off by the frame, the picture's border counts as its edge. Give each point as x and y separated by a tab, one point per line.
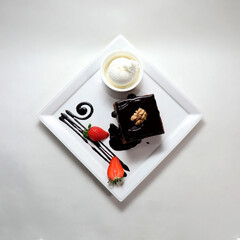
116	139
131	96
150	127
114	114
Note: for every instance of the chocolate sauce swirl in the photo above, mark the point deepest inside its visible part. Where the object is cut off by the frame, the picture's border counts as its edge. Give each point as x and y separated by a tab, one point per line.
81	110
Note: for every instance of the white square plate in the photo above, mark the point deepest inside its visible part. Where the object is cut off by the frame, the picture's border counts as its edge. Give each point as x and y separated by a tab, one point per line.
178	114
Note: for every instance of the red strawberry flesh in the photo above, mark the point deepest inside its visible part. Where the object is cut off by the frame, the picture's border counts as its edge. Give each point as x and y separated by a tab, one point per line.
115	171
97	134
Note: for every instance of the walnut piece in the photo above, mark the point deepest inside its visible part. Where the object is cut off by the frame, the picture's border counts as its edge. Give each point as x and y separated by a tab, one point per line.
139	116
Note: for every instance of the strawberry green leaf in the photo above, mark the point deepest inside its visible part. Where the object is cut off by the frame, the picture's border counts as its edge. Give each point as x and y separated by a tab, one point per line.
115	181
85	133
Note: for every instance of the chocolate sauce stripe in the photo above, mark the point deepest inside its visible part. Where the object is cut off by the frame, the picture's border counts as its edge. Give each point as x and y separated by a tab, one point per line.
107	151
108	154
75	118
122	163
76	128
64	121
94	149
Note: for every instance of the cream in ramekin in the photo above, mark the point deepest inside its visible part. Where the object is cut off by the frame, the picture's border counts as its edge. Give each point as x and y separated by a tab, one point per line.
121	70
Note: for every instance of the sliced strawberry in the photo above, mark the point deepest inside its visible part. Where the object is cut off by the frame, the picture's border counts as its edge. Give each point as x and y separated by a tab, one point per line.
95	133
115	171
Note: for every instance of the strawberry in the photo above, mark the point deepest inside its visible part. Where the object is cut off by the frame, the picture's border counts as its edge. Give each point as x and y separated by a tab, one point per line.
95	133
115	171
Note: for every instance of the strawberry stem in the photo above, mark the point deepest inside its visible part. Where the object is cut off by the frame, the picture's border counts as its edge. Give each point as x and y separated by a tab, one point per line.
114	181
85	133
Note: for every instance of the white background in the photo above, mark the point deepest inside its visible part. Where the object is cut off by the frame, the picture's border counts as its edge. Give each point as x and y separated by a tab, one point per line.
45	192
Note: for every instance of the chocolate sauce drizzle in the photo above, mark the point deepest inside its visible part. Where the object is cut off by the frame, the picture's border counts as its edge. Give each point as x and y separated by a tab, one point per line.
131	96
114	114
83	110
116	139
99	147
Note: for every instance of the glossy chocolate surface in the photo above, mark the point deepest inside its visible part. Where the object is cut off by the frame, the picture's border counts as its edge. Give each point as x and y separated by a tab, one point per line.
151	126
116	142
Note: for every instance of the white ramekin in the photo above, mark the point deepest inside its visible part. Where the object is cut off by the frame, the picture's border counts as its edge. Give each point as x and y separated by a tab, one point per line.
114	54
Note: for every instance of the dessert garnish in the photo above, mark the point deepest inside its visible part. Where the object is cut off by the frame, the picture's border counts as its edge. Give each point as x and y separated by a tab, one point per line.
95	133
138	117
115	171
72	121
83	110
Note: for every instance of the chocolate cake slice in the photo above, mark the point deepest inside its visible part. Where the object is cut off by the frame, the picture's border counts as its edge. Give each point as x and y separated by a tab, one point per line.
138	118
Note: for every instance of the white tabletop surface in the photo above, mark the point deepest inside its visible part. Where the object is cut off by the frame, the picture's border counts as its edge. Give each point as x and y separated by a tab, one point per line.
46	193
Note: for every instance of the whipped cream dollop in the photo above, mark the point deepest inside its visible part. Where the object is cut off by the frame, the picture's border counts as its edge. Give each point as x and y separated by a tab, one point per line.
122	71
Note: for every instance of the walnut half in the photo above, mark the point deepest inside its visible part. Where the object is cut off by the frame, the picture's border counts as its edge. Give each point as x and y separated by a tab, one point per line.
139	116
